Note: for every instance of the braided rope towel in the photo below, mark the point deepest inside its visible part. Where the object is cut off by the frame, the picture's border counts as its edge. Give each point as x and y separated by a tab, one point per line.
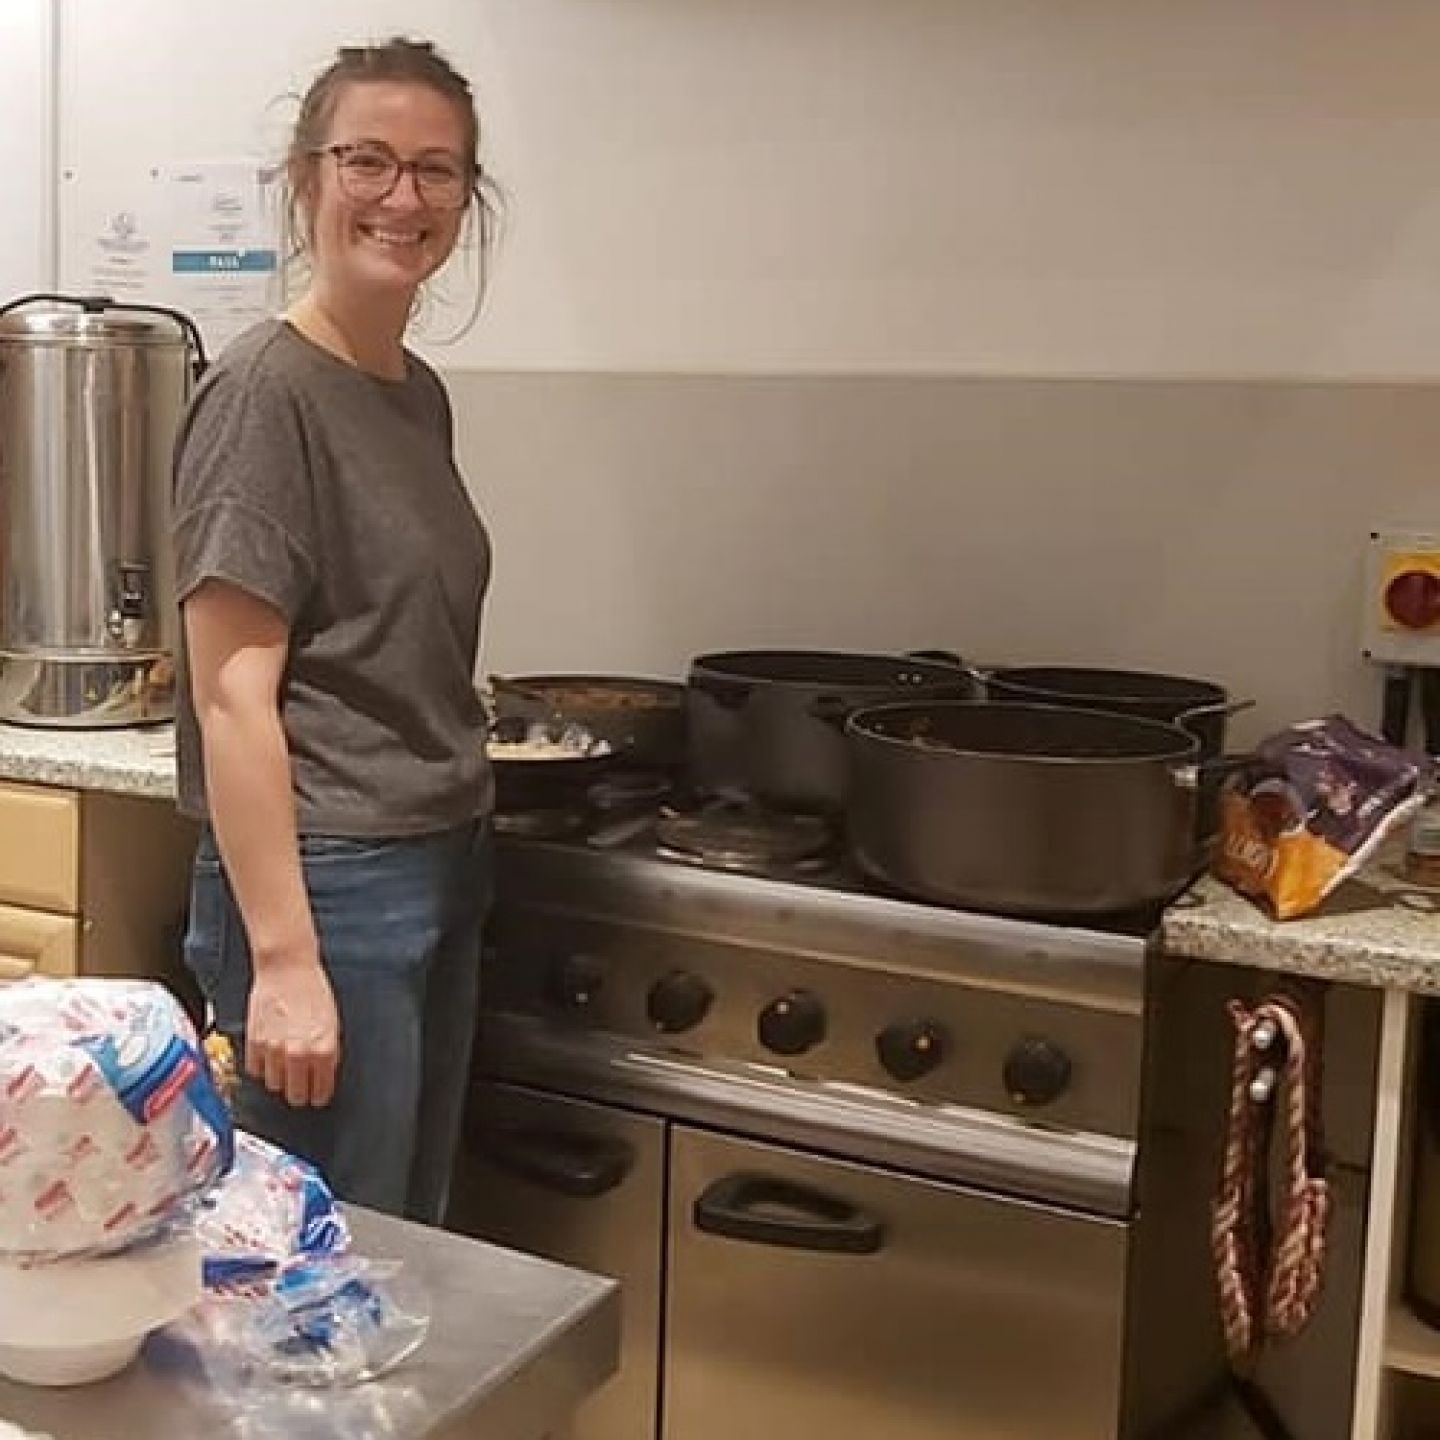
1270	1290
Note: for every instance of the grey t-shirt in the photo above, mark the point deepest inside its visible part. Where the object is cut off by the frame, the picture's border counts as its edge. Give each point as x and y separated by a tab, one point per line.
333	495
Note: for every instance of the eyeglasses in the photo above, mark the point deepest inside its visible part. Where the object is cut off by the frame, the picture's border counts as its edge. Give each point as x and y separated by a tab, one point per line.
371	170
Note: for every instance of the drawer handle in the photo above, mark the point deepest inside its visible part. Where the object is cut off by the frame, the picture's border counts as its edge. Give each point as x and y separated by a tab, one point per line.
583	1167
768	1211
13	968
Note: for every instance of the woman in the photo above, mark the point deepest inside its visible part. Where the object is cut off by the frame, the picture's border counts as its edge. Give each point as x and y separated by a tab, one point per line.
331	570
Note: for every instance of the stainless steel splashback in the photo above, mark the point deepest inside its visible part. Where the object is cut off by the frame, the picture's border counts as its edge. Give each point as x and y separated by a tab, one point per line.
90	404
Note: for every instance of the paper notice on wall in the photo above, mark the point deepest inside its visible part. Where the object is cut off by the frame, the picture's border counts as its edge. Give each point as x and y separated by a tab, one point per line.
224	243
119	258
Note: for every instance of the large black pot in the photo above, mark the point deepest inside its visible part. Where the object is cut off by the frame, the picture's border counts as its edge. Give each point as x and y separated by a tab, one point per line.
770	723
1023	809
1199	706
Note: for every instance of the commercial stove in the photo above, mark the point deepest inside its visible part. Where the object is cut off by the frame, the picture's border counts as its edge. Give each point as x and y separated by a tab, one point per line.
865	1165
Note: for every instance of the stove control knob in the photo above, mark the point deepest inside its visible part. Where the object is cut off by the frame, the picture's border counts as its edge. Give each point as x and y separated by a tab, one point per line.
792	1024
678	1001
1036	1072
574	983
910	1049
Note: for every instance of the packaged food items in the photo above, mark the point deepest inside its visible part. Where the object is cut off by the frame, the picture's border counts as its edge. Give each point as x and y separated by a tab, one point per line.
336	1320
288	1304
271	1208
1310	807
110	1124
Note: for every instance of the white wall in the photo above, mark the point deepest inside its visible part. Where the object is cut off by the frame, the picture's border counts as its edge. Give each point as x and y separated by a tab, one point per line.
818	198
1210	528
26	147
1131	187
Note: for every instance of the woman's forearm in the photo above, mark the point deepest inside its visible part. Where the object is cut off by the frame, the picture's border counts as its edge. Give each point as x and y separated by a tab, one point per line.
252	809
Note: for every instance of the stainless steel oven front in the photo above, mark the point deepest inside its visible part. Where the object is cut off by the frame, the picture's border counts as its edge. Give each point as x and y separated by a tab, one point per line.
773	1289
863	1167
870	1168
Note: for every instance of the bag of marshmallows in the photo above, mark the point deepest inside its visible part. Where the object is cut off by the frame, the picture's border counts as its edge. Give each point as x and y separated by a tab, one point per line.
109	1121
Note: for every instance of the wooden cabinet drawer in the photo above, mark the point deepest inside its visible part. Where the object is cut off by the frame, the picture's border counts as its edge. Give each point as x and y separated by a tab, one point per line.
34	943
40	848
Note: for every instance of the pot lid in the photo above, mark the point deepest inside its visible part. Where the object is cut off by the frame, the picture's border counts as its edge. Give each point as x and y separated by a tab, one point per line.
70	325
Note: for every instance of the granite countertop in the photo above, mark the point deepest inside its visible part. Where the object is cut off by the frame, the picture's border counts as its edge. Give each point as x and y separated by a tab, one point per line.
137	760
1376	929
515	1344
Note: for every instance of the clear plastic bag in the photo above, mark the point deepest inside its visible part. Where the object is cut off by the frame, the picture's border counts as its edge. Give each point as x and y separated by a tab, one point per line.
331	1320
272	1208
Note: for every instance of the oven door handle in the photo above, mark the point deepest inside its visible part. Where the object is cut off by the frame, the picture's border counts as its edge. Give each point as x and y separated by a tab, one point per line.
766	1210
584	1167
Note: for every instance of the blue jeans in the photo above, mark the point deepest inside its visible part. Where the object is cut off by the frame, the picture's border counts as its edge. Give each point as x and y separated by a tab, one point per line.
399	926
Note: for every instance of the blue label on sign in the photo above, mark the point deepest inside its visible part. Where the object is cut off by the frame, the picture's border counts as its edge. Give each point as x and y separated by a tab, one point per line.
222	262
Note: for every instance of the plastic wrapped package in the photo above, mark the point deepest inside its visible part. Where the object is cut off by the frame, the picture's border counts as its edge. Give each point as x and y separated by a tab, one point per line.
289	1306
271	1208
1310	807
110	1123
335	1320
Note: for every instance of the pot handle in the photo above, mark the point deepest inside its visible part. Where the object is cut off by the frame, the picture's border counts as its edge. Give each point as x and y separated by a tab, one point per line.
727	693
1185	777
973	673
1190	776
1217	707
832	709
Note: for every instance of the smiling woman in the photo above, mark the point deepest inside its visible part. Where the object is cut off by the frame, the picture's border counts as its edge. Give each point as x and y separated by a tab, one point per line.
331	570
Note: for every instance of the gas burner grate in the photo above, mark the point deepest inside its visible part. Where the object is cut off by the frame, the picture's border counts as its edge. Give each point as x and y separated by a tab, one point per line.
731	835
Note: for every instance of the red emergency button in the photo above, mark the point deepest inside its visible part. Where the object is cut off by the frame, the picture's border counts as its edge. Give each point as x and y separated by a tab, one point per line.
1412	599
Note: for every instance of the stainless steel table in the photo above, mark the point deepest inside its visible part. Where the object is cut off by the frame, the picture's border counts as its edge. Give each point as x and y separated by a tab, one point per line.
515	1344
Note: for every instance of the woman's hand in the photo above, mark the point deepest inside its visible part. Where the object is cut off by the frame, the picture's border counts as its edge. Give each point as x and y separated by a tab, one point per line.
292	1033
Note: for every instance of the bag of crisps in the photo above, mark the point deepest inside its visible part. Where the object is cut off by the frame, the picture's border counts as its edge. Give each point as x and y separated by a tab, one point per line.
1310	807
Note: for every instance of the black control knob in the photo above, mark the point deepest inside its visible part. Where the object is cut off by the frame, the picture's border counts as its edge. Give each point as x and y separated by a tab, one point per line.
910	1049
1036	1072
574	983
792	1024
678	1001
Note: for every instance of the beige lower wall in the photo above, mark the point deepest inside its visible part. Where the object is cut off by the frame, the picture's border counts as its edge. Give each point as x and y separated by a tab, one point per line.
1213	529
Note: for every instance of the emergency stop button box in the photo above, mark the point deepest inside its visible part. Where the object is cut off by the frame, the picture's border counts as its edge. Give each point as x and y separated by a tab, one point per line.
1401	597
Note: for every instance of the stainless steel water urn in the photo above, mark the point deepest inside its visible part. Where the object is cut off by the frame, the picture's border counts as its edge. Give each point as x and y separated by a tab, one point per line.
91	396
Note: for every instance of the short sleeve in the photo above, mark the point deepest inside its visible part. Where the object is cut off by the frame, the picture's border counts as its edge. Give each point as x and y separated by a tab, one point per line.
243	509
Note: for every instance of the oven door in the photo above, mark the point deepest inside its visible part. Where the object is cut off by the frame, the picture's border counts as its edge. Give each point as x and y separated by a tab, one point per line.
583	1185
821	1300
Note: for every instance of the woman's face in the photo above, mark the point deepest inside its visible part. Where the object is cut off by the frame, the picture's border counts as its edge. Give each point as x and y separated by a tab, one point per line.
371	238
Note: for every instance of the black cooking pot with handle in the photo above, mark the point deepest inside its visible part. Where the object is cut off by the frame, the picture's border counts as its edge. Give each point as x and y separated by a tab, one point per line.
1023	809
770	723
1200	706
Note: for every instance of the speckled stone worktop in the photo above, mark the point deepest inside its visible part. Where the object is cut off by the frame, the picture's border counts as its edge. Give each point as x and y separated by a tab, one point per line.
1376	929
135	761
